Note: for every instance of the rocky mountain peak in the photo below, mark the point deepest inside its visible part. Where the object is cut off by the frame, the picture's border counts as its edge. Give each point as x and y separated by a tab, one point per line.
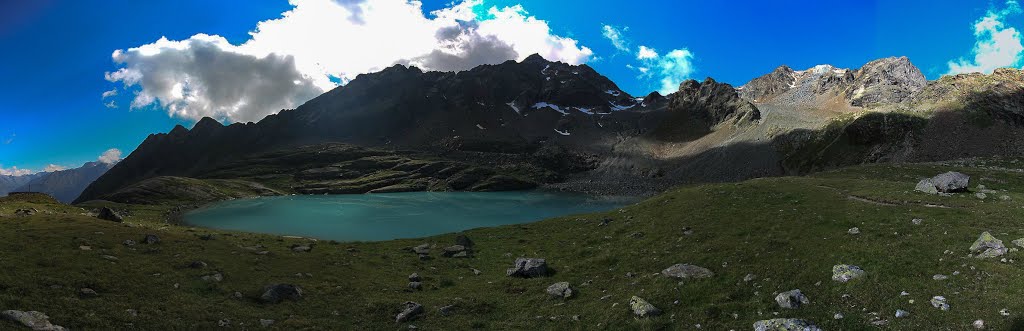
885	81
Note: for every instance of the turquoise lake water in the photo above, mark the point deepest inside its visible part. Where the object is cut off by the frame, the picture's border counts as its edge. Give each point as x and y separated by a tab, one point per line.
371	217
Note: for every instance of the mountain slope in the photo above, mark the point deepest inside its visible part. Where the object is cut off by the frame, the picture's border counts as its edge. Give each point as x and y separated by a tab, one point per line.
66	185
10	184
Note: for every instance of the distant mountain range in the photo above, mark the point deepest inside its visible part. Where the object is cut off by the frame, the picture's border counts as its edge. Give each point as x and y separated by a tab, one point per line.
64	185
579	126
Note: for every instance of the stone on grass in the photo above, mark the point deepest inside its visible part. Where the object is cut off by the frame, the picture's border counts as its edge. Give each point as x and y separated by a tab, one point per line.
687	271
979	324
528	268
214	278
109	215
301	248
791	299
642	308
916	221
1018	242
987	246
87	293
32	319
414	277
940	302
266	322
940	277
926	186
280	292
197	265
900	313
151	239
844	272
560	290
785	324
128	243
853	230
463	240
749	278
950	182
410	310
456	251
416	285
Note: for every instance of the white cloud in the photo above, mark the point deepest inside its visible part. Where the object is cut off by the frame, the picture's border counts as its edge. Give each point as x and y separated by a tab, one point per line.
291	59
997	45
646	53
14	171
615	35
111	156
110	93
53	168
674	68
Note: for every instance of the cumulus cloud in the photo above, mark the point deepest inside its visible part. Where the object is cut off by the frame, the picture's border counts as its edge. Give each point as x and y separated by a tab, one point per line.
997	45
54	168
110	93
14	171
646	53
111	156
293	58
674	68
615	35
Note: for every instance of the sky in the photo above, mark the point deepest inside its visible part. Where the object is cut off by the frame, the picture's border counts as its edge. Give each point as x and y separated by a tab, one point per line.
84	80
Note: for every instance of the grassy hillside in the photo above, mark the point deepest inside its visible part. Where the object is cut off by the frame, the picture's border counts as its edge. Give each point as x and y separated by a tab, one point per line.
788	232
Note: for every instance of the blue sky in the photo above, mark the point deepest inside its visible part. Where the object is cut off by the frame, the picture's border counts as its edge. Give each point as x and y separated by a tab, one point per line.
57	53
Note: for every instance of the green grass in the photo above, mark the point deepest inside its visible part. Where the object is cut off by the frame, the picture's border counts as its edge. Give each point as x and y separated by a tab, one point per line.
789	232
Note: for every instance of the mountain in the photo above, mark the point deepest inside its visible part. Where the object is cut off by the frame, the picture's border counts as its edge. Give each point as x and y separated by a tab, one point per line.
10	184
66	185
568	127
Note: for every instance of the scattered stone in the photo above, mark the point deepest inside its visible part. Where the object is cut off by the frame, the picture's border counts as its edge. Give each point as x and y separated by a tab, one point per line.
686	271
838	316
129	243
791	299
940	302
528	268
916	221
476	272
87	293
749	278
224	323
463	241
844	272
560	290
605	222
25	212
981	195
151	239
687	231
414	277
1018	242
410	311
642	308
132	312
32	319
900	313
215	278
853	230
279	292
85	248
422	249
197	265
979	324
1004	312
416	285
926	186
456	251
446	310
940	277
785	324
301	248
987	246
266	323
109	215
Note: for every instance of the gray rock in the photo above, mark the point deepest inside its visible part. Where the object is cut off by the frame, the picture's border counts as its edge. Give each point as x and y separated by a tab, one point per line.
266	322
900	313
422	249
528	268
785	324
214	278
1018	242
940	277
197	265
916	221
109	258
940	302
32	319
791	299
844	272
853	230
981	195
280	292
224	323
987	246
687	271
109	215
301	248
151	239
88	293
410	311
749	278
560	290
642	308
416	285
128	243
951	182
463	240
926	186
414	277
456	251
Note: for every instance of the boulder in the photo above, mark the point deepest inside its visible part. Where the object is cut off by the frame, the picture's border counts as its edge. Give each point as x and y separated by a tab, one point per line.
151	239
687	271
109	215
844	272
279	292
528	268
791	299
940	302
987	246
951	182
1018	242
560	290
900	313
410	311
853	230
31	319
926	186
414	277
785	324
463	240
456	251
301	248
416	285
197	265
642	308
